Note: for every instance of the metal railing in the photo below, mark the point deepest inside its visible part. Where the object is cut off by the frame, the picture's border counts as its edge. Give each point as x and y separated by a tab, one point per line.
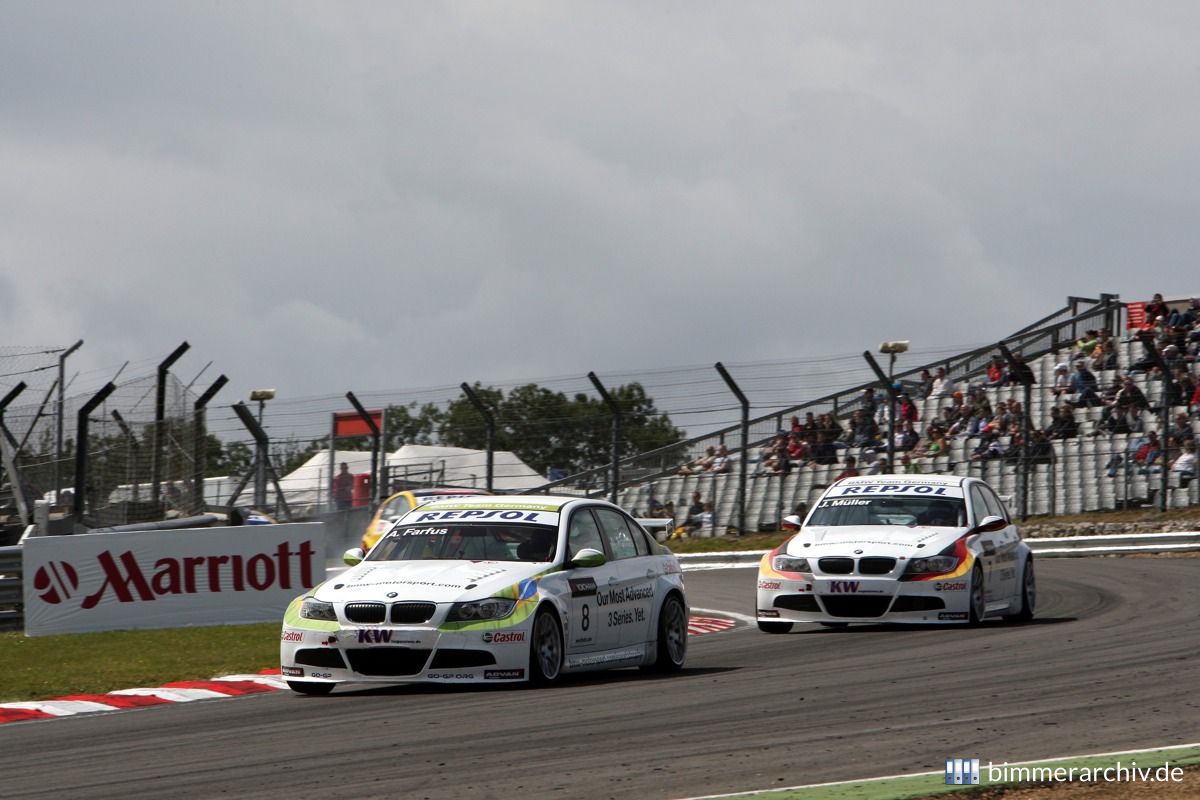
12	602
1048	335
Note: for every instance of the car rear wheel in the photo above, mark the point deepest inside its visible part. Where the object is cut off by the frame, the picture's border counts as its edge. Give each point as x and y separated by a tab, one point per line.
976	611
1028	595
774	627
545	648
310	687
672	636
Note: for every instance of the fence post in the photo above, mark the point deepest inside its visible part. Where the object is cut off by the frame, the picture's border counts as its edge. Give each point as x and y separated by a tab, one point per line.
199	431
489	421
737	392
616	433
160	413
375	441
81	448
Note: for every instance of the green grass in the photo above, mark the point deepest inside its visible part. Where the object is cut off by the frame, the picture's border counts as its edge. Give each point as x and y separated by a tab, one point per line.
36	668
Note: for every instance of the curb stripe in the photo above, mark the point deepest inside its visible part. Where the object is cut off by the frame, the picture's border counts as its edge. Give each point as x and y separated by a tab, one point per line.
265	681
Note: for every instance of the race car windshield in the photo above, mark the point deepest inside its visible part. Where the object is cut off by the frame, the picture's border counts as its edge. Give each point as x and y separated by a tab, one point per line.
467	542
883	510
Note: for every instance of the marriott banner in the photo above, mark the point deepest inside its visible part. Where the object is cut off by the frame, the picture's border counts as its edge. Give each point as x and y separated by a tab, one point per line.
167	579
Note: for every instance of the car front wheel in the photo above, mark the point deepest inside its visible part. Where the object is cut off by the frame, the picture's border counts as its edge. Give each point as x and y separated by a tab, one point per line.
545	648
975	613
774	627
1028	595
672	635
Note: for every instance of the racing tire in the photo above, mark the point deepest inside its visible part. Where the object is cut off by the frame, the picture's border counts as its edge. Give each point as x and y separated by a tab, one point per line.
774	627
545	648
976	602
672	636
310	687
1028	595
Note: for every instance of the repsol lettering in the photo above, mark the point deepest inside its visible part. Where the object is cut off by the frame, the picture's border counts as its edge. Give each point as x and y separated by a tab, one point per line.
889	488
431	516
124	577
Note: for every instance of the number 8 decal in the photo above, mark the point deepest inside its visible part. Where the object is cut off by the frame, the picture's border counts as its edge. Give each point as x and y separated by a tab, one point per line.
586	622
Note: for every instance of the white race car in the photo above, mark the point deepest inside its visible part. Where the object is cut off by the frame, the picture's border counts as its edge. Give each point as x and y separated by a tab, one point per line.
490	589
899	548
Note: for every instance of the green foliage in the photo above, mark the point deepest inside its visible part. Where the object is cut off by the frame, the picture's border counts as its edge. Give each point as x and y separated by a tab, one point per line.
547	429
412	425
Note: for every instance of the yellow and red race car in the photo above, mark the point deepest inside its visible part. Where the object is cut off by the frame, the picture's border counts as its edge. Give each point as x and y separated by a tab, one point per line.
401	503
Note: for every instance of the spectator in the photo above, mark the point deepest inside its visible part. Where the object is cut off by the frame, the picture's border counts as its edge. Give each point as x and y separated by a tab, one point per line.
1179	389
1187	317
906	437
1181	428
863	432
851	470
809	429
879	466
997	374
989	447
868	401
824	452
943	386
1062	381
768	454
1084	386
1128	397
702	464
343	487
1062	423
1086	344
924	384
1104	356
935	442
1184	465
696	506
702	519
721	462
797	450
1148	452
907	410
1157	308
668	510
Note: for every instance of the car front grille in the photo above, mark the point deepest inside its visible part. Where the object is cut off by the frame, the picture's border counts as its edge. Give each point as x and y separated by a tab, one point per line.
322	657
412	613
366	613
876	565
387	660
836	565
797	602
848	606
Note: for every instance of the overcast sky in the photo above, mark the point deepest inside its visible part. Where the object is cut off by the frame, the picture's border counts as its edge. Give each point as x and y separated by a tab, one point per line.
331	196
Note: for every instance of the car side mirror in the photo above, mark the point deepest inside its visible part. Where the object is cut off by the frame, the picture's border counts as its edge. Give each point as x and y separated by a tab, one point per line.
991	524
589	557
353	556
792	523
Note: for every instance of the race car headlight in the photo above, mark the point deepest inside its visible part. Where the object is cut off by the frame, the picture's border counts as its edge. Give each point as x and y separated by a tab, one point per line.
931	565
790	564
476	610
317	609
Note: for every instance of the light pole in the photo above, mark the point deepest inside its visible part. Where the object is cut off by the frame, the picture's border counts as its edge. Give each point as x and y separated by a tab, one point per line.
892	348
260	396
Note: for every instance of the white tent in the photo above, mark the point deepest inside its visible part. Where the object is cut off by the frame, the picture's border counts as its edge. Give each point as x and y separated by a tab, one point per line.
460	466
307	487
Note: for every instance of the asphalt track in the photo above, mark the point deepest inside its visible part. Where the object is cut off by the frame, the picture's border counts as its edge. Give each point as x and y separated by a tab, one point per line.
1110	664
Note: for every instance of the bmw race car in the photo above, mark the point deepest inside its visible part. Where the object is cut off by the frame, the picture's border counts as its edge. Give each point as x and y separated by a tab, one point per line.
899	548
492	589
400	503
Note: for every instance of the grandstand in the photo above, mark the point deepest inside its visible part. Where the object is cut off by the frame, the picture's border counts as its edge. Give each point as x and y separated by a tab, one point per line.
1077	479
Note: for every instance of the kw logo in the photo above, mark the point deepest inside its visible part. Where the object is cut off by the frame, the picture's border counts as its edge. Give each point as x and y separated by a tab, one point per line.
375	637
55	582
844	587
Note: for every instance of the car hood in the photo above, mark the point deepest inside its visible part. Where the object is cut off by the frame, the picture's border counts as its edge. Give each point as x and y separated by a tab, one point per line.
881	540
435	581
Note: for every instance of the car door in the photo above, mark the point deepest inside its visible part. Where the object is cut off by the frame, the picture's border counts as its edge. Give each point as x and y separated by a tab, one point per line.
1007	542
630	596
587	631
988	547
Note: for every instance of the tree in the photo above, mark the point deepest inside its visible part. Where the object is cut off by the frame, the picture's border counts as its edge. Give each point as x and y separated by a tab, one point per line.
546	429
406	427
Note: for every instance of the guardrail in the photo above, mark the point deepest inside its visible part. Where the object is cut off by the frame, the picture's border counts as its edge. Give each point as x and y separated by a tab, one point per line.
1066	547
12	609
